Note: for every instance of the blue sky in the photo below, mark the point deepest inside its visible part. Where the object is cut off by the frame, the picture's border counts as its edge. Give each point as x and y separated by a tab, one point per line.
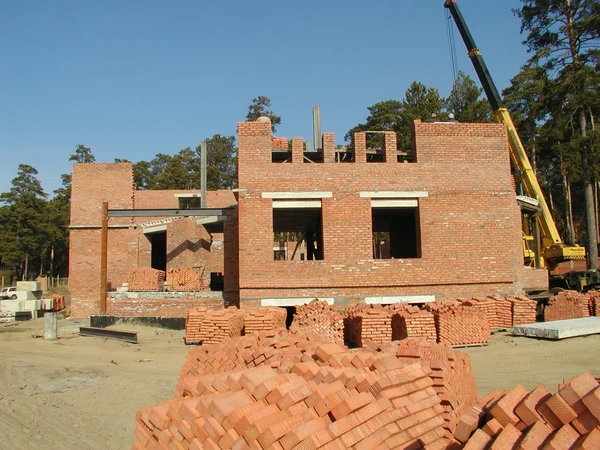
132	78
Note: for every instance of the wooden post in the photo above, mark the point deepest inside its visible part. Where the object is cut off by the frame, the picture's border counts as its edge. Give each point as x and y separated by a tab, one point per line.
103	257
203	172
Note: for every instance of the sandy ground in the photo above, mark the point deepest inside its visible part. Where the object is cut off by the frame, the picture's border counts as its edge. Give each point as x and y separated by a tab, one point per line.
83	392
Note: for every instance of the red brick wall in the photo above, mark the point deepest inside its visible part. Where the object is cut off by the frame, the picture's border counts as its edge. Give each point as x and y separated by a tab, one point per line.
189	244
470	222
120	306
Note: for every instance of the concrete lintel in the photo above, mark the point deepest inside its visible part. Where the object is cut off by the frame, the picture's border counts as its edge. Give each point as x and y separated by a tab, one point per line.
297	195
211	219
186	195
393	194
84	227
155	229
394	203
388	300
292	301
280	204
559	329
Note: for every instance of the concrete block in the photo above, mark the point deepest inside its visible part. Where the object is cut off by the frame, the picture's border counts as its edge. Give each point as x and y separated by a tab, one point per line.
560	329
28	285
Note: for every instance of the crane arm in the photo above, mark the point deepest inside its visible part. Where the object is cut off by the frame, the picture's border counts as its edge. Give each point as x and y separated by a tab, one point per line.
554	251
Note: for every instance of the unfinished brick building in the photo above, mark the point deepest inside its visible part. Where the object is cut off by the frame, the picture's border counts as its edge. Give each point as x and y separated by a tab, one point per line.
161	243
376	227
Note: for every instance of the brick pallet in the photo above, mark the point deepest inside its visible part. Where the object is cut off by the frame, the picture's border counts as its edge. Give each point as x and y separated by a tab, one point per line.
503	308
218	325
411	322
145	279
264	319
319	318
332	397
184	279
568	419
524	310
367	322
458	324
193	325
594	302
58	302
567	305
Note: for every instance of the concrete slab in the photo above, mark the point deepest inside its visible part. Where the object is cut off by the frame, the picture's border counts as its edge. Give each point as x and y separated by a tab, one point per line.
559	329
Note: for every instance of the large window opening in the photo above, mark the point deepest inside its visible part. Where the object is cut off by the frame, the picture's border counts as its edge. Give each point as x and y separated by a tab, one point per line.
396	233
158	252
297	234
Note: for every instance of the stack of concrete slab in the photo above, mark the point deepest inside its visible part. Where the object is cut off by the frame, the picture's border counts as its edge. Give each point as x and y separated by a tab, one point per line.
28	305
559	329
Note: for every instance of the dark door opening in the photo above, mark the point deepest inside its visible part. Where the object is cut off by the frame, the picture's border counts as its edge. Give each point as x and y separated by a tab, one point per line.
158	253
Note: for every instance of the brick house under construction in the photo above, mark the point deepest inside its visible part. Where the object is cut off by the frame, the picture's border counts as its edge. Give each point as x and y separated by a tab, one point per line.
346	226
378	228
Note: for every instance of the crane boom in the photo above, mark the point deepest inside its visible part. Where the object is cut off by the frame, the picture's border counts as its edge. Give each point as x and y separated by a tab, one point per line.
554	250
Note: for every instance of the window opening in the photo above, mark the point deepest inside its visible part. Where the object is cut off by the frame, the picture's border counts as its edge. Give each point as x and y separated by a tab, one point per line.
297	234
396	233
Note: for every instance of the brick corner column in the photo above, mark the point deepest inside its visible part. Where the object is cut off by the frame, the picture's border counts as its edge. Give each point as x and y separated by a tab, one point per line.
297	150
328	146
359	142
390	147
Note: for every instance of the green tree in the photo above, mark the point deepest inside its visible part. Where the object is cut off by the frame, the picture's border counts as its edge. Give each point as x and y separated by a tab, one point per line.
260	107
22	222
563	36
82	155
221	159
465	101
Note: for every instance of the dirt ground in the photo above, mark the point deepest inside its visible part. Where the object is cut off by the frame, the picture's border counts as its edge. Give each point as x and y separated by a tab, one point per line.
83	392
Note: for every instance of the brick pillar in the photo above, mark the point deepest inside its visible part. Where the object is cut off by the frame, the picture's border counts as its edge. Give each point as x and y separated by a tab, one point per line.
254	146
359	141
297	150
390	146
328	146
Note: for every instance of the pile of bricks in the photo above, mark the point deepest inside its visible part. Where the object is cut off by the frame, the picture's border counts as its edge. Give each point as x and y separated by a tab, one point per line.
488	305
458	324
58	302
319	318
411	322
221	324
367	322
450	371
524	310
242	394
503	309
567	305
145	279
193	325
184	280
568	419
264	319
594	302
280	143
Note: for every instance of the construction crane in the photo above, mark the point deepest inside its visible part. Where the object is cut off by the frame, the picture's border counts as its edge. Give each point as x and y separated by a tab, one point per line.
553	251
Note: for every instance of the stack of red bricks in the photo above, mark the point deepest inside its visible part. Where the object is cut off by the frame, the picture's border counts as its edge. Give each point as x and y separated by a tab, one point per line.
193	325
319	318
594	302
184	280
458	324
450	371
331	398
145	279
486	304
58	302
503	308
221	324
280	143
568	419
277	349
368	322
567	305
524	310
411	322
264	319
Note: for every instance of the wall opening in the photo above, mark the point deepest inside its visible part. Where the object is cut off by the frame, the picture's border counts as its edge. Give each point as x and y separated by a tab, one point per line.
297	234
375	147
291	312
217	282
396	233
158	252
